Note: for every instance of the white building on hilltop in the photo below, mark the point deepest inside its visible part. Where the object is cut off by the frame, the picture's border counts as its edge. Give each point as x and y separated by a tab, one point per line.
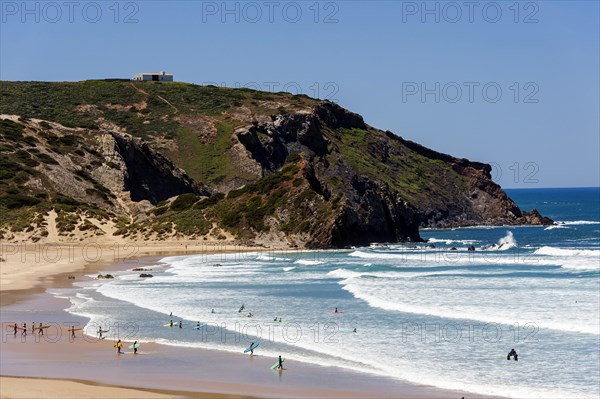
156	77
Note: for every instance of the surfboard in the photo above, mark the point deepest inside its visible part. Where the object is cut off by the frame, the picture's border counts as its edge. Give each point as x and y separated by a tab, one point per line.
198	327
104	331
337	312
169	325
277	363
133	346
18	328
248	349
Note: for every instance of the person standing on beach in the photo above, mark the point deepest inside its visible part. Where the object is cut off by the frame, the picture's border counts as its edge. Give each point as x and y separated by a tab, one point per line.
41	331
180	324
171	325
33	327
252	349
24	329
72	331
135	348
280	365
118	346
100	332
15	328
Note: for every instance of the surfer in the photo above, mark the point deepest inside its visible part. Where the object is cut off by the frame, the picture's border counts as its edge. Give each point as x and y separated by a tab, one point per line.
512	353
100	332
72	331
171	315
33	327
336	311
275	319
135	348
180	324
41	331
118	345
212	311
241	308
250	314
354	329
171	323
24	329
15	328
198	325
252	349
280	365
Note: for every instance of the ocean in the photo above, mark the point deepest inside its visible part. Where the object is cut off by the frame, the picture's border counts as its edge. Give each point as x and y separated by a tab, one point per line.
431	313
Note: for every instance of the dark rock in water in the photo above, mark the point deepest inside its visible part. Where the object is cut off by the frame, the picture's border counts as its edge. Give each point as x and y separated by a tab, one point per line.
534	217
105	276
431	246
453	249
146	275
471	248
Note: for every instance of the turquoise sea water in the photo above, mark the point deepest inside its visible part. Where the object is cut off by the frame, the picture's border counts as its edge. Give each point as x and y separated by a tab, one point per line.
429	315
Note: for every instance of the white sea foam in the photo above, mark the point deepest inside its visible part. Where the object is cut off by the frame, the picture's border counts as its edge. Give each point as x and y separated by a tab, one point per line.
289	268
552	251
308	262
556	226
578	222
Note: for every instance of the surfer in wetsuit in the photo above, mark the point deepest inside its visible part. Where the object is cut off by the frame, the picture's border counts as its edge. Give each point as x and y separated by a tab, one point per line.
512	353
354	329
212	311
118	345
171	324
180	324
336	311
198	325
24	329
250	314
135	348
15	328
72	331
41	331
100	332
241	308
280	365
252	349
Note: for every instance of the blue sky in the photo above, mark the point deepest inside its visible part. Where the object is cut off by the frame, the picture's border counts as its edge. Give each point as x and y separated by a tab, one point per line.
514	84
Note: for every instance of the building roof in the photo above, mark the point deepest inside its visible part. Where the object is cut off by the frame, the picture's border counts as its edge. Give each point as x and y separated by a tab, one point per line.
154	73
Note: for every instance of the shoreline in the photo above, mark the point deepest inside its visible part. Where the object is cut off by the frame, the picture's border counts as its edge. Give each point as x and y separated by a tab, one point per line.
305	378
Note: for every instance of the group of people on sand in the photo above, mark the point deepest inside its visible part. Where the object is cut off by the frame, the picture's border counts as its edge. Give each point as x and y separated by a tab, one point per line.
119	345
40	328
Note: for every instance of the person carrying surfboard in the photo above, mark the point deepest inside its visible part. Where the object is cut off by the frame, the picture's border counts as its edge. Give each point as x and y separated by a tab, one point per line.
15	328
118	346
336	311
171	323
24	329
513	353
135	348
251	348
280	365
41	330
72	331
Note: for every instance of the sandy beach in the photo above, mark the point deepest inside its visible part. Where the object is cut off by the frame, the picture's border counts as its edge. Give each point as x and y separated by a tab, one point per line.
89	367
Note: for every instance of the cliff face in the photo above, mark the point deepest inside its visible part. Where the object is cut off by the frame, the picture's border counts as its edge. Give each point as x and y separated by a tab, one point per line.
279	167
